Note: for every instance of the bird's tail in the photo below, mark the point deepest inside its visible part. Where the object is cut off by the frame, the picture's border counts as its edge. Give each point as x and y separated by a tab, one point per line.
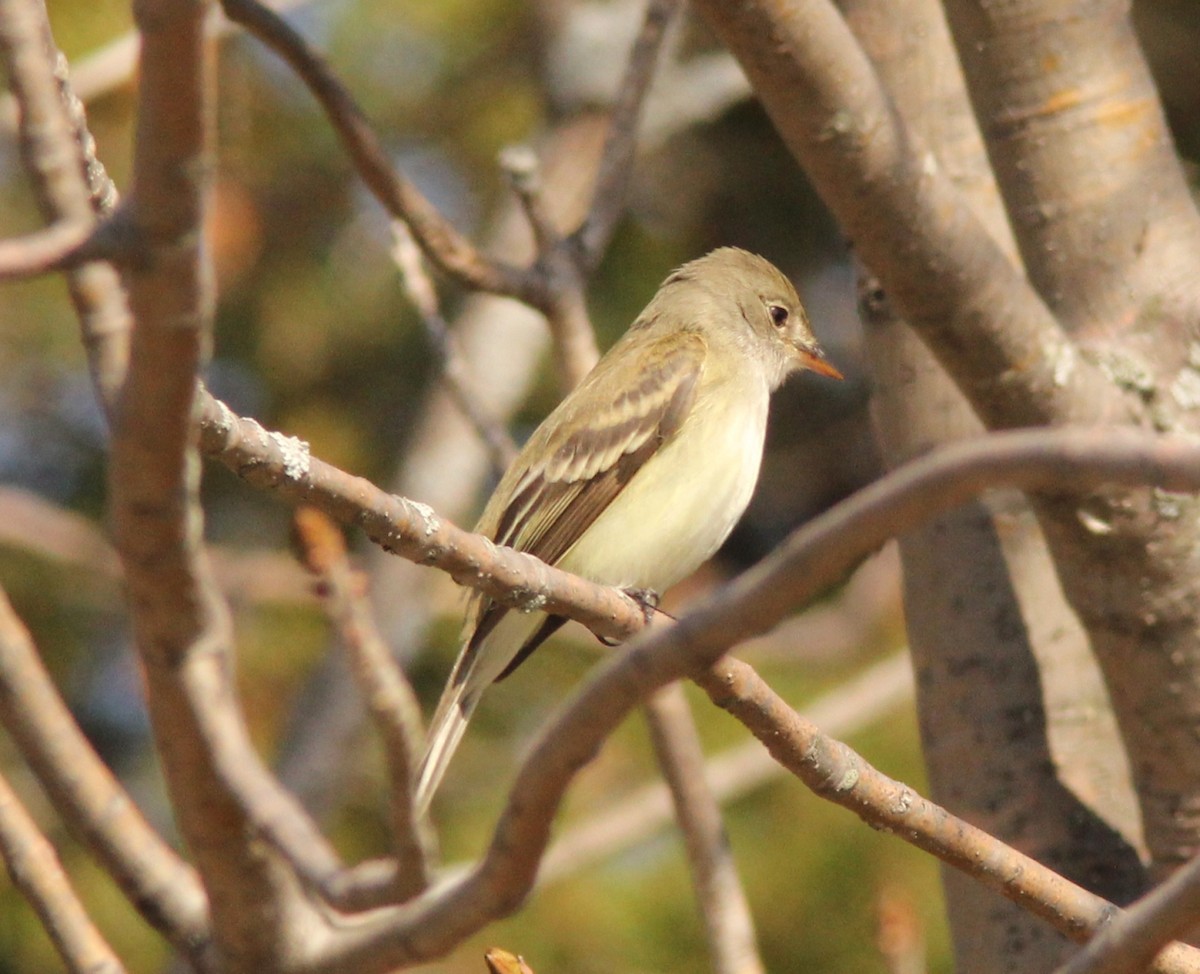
445	731
478	667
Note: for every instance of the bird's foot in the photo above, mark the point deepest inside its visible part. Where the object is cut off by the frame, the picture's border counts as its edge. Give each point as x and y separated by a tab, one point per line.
647	599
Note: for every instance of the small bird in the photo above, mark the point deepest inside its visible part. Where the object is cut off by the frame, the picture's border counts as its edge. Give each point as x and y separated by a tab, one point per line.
641	472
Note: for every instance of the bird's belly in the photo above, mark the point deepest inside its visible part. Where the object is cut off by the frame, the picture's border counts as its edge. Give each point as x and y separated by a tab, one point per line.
680	507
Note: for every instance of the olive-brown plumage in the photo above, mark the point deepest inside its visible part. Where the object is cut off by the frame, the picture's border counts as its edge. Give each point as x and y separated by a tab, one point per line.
641	472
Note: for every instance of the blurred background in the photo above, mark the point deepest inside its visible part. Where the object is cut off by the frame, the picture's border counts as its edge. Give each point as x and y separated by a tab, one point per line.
314	337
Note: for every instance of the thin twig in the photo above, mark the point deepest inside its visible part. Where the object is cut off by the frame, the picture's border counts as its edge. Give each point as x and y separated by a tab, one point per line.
37	872
52	248
608	200
85	794
454	372
388	695
523	169
568	264
57	165
724	910
449	250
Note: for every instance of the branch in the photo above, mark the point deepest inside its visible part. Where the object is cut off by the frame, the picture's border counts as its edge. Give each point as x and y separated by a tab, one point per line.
181	624
57	164
1065	460
913	228
36	871
388	695
731	774
283	466
449	250
454	372
592	237
724	910
1131	941
52	248
813	558
160	885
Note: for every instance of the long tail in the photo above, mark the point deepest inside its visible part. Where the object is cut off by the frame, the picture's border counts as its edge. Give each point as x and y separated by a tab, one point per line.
477	668
445	731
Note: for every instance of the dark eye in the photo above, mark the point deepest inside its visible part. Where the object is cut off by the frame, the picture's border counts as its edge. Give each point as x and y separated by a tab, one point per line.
779	315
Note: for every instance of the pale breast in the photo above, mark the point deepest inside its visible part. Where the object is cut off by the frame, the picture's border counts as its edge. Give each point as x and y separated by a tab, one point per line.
680	507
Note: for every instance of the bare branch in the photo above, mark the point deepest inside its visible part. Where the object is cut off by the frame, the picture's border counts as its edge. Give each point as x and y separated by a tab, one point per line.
36	871
1131	941
612	181
523	169
815	557
388	695
182	627
731	774
1064	460
449	250
57	166
454	372
838	774
724	910
84	792
410	529
53	248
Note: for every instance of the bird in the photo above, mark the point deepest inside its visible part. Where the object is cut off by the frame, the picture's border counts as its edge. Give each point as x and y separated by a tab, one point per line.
641	472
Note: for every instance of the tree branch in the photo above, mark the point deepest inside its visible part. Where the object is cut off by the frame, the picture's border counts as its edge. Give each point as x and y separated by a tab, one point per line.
728	924
815	557
36	871
592	237
160	885
843	711
449	250
1131	941
52	248
57	165
385	689
283	466
454	373
916	232
835	772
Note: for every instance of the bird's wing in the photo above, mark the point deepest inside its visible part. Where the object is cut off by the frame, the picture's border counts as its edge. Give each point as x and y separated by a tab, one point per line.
549	506
591	452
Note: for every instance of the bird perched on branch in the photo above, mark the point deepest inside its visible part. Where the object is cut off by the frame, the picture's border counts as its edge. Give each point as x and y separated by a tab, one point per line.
642	471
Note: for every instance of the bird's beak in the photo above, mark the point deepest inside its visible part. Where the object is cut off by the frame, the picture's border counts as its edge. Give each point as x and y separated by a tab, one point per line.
812	357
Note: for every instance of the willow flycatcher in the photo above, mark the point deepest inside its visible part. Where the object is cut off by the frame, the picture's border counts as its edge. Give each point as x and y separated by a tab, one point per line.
642	471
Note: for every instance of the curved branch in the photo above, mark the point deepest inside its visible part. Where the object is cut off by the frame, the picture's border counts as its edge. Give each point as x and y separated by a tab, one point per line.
815	557
160	885
442	243
36	871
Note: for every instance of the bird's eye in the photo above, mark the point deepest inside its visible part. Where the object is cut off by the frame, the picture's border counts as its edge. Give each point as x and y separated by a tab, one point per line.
779	315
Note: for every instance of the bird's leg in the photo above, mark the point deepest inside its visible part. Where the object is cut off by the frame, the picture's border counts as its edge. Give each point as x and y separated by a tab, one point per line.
647	600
